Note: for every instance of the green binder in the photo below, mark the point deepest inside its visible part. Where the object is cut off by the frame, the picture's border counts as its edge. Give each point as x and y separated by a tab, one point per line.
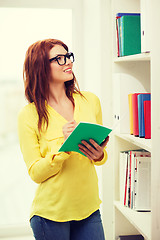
84	131
130	35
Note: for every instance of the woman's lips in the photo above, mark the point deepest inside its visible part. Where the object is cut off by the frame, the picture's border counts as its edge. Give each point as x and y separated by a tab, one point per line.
68	70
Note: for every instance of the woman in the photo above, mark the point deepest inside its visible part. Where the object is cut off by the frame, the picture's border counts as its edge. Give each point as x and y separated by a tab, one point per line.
66	204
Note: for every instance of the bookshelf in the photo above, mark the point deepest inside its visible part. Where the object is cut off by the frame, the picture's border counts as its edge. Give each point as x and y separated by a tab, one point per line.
133	58
141	220
139	142
142	67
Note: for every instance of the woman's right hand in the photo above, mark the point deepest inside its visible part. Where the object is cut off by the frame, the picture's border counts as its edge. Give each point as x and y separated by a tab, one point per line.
68	128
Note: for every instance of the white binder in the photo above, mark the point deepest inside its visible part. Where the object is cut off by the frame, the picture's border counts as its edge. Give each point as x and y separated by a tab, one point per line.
145	26
142	186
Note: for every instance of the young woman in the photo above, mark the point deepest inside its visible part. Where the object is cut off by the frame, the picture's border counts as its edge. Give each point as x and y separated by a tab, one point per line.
66	203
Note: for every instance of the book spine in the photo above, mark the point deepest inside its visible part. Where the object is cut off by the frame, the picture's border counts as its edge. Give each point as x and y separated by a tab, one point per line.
130	112
117	30
126	185
135	114
147	119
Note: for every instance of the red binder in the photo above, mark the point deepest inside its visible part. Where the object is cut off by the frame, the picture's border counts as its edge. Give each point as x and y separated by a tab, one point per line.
135	114
147	119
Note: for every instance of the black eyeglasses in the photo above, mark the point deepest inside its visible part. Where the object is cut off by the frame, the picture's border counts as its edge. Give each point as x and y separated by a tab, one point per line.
61	59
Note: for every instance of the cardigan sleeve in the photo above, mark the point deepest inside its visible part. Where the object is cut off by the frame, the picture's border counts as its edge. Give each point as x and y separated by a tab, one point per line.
98	112
40	168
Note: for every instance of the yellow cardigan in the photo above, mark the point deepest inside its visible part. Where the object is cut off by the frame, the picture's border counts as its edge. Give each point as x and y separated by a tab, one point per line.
67	182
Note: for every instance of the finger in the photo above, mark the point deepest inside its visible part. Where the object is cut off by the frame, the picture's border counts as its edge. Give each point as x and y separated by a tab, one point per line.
69	123
70	127
104	143
90	149
96	145
85	152
72	122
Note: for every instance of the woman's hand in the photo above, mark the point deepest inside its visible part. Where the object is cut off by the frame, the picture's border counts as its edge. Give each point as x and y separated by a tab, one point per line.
68	128
93	153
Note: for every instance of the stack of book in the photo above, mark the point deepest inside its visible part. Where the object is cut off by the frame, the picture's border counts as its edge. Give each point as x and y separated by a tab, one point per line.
135	179
140	114
128	34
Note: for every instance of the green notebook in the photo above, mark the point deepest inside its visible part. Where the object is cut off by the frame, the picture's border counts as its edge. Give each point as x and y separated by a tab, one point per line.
130	35
84	131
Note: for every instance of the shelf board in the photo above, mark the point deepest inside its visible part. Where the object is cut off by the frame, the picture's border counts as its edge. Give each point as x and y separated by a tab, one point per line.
140	142
140	220
132	58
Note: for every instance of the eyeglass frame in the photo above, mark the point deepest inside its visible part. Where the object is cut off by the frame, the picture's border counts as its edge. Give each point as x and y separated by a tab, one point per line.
67	55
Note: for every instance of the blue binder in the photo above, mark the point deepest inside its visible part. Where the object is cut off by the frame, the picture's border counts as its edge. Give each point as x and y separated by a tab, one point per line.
141	98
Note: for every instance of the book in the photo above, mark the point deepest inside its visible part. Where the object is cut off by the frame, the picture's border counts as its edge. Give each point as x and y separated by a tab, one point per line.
130	112
118	39
119	32
147	119
130	237
131	34
135	114
84	131
128	14
122	176
145	26
130	179
120	99
142	194
126	184
141	98
133	155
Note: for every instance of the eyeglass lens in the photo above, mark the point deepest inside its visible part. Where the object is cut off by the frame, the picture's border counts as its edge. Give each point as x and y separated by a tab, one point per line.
62	59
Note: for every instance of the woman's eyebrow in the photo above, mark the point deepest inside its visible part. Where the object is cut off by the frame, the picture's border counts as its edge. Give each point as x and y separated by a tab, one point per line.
60	55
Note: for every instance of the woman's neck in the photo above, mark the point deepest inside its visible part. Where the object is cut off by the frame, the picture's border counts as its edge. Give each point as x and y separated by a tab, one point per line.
57	94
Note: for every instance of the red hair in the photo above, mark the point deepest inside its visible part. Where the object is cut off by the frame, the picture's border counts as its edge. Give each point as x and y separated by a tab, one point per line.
36	75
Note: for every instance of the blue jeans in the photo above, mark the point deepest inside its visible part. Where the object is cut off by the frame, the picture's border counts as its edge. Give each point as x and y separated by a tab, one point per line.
87	229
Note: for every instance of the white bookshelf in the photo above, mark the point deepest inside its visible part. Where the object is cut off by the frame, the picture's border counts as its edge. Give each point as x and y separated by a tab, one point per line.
141	220
133	58
139	142
144	68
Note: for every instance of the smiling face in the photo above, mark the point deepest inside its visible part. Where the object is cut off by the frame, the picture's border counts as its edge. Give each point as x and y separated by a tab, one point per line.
60	73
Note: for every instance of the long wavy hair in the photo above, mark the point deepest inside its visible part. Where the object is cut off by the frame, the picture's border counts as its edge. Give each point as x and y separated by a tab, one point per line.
36	75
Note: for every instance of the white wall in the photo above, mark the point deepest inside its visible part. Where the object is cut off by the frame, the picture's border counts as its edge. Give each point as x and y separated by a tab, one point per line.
97	78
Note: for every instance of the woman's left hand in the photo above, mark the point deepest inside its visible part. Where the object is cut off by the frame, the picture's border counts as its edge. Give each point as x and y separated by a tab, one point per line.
93	153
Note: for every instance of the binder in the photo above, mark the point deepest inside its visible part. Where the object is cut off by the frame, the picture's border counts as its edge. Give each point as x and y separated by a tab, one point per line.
134	169
141	98
131	34
126	184
142	194
130	112
134	154
129	179
122	176
147	119
120	100
145	26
